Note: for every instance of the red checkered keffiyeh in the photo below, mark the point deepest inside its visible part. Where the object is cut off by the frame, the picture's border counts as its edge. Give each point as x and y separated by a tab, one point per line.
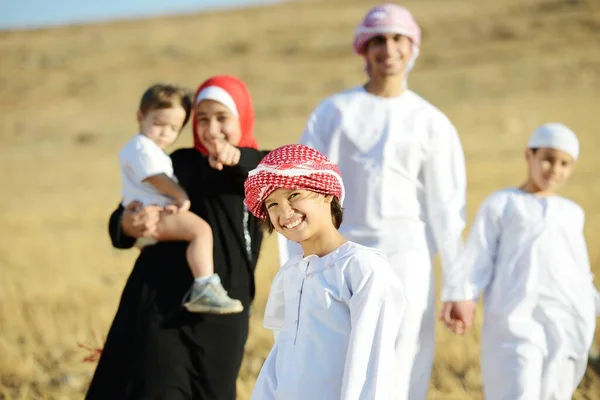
292	166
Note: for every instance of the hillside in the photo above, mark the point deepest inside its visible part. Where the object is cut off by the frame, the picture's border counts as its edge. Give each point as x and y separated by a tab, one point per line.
68	98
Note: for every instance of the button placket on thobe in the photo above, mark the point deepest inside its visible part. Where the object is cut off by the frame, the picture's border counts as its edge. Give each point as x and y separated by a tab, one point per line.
302	269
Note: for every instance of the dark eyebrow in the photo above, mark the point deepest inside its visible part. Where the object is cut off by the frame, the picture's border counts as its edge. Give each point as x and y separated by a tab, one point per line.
219	113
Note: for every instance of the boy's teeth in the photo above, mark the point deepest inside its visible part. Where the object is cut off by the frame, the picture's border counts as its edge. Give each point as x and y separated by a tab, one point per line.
293	224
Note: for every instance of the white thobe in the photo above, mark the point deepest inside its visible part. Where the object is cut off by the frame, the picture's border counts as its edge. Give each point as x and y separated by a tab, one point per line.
404	173
336	320
528	254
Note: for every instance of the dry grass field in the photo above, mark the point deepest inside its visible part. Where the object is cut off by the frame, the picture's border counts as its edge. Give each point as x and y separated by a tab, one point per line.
68	98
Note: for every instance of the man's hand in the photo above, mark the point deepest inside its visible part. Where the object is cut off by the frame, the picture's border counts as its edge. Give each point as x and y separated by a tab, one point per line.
223	154
458	316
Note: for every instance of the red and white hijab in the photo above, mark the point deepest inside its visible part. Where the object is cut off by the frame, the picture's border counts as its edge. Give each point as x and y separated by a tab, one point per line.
293	166
233	93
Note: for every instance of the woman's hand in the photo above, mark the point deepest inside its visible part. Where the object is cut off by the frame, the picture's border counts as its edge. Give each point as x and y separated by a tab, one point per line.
138	221
223	154
178	206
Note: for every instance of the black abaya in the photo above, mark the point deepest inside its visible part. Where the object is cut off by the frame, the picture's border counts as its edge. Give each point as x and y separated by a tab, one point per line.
155	349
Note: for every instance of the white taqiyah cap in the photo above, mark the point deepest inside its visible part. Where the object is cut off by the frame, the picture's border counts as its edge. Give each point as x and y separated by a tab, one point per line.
555	136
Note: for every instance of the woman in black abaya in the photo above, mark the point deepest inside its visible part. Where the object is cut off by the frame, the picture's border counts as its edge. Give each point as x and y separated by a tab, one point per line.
155	349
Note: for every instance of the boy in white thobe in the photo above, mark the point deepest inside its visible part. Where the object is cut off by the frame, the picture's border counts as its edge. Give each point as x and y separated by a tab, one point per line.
336	311
404	171
527	252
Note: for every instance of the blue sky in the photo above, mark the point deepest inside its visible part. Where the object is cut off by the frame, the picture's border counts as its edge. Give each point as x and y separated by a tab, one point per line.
26	14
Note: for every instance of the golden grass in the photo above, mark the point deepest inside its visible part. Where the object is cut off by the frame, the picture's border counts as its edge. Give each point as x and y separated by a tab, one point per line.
68	98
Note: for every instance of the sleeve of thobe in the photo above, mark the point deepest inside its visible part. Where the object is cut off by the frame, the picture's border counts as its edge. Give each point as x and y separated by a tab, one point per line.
275	308
316	133
445	196
480	252
596	300
311	137
596	296
583	253
266	383
594	288
580	250
376	306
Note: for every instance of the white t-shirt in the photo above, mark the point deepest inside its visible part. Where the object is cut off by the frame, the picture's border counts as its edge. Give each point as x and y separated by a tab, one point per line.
139	159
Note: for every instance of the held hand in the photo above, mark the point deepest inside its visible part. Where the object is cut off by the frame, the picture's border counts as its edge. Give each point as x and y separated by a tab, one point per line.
138	221
178	206
458	316
224	154
171	209
183	205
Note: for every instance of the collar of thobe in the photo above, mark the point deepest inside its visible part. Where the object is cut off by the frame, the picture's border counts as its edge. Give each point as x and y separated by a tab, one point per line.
313	264
396	100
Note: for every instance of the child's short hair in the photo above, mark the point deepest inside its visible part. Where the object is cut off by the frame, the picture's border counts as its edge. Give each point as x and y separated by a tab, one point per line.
161	96
337	215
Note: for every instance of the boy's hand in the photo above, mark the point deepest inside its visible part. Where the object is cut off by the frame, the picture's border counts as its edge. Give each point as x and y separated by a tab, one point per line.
223	154
458	316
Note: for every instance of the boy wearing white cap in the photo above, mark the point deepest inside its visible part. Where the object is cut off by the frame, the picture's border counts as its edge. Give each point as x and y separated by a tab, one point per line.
526	251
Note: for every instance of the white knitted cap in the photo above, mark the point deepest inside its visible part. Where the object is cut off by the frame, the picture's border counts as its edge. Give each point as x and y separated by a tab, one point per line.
555	136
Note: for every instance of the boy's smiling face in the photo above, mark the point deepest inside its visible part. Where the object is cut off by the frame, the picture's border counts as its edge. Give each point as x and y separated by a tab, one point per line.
299	215
549	169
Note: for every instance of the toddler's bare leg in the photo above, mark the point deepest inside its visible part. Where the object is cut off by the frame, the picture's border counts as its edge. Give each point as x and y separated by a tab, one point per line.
189	227
206	295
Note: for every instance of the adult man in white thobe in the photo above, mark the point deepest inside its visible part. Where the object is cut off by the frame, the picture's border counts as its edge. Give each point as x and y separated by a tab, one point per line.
403	167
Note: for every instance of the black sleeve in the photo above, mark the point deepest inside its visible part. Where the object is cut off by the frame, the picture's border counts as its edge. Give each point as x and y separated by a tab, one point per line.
192	168
188	165
249	159
117	237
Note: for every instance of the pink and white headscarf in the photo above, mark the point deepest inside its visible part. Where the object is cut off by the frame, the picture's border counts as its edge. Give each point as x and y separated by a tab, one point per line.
293	166
388	18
